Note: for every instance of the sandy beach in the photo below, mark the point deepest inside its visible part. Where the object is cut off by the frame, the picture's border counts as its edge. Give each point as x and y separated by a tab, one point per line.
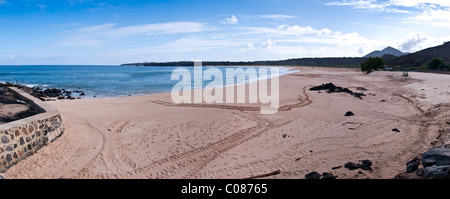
149	137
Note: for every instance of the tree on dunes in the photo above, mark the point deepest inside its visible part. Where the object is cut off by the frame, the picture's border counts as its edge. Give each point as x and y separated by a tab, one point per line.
373	63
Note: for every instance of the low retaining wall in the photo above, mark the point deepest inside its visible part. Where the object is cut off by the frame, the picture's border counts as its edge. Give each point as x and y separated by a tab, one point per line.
21	138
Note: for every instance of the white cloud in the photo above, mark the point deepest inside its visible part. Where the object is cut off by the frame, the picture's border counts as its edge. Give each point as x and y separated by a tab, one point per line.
305	40
267	44
286	30
412	43
97	28
199	43
231	20
416	3
429	12
95	36
368	5
158	28
433	17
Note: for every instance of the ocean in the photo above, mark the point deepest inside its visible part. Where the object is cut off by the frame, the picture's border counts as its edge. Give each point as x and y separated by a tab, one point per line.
100	80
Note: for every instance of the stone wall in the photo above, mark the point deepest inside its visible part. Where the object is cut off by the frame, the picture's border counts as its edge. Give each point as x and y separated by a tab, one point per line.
20	139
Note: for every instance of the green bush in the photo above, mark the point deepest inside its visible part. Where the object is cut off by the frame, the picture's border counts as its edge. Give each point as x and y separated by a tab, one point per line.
373	63
437	64
424	67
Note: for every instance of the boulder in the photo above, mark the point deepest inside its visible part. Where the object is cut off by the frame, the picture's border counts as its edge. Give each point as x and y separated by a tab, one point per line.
313	176
412	165
349	113
327	175
331	88
366	165
436	156
396	130
437	172
420	172
352	166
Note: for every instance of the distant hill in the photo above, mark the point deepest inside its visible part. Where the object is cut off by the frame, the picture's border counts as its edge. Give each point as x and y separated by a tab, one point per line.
423	57
326	62
395	59
387	51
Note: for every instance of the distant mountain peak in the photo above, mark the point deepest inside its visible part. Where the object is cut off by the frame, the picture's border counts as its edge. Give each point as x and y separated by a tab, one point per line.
388	50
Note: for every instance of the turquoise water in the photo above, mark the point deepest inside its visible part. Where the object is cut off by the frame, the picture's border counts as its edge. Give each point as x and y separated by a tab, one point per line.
99	81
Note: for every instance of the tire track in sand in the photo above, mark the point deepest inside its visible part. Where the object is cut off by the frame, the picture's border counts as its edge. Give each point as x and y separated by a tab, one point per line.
187	164
303	101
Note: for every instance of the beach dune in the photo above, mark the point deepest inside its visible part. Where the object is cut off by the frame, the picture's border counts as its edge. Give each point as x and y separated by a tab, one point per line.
150	137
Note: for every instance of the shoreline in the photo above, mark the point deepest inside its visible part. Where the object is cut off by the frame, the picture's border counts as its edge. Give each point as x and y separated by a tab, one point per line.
136	137
289	70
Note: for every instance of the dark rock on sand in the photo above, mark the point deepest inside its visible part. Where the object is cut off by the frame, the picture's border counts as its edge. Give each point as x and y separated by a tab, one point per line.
420	172
396	130
327	175
331	88
437	172
366	165
313	176
352	166
52	92
436	156
349	113
412	165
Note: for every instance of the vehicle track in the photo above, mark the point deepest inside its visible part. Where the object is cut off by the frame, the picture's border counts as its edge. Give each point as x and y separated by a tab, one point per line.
303	101
188	164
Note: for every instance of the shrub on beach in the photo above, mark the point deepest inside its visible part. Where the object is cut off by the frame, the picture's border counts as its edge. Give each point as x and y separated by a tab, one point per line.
373	63
437	64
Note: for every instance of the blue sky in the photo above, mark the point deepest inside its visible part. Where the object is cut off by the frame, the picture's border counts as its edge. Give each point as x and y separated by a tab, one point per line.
116	32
